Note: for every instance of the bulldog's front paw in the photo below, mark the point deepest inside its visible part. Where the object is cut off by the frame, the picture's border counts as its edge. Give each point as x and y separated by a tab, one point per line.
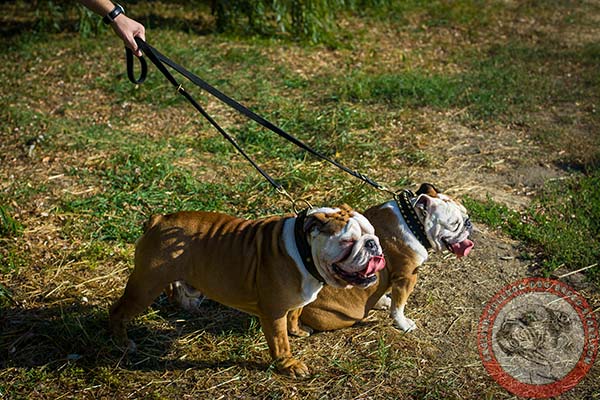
292	367
384	303
405	324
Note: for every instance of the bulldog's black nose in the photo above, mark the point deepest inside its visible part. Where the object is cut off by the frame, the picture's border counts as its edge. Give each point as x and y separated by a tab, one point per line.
371	245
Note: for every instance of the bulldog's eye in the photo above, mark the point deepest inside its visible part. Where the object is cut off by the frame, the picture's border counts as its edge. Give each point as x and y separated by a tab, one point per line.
468	223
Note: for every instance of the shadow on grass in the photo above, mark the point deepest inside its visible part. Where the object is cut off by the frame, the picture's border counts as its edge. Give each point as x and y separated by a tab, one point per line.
52	336
590	165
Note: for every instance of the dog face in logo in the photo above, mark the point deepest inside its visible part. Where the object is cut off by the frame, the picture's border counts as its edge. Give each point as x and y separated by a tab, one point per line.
344	247
445	220
538	339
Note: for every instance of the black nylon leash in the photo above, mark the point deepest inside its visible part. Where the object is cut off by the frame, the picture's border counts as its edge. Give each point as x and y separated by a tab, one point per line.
159	60
402	198
156	59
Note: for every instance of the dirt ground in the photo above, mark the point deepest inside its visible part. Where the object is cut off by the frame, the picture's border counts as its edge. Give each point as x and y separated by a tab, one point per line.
53	338
438	360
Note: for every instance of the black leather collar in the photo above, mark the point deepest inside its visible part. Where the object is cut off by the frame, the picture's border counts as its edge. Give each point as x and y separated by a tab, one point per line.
304	247
410	216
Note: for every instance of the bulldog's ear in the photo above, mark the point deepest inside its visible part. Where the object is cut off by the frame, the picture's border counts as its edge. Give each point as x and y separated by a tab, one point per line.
328	222
346	212
316	220
428	189
423	202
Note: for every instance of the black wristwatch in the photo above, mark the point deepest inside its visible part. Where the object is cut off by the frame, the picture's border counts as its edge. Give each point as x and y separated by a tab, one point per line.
110	17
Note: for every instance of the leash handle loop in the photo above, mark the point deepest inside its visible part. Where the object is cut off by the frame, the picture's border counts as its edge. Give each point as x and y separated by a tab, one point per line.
143	67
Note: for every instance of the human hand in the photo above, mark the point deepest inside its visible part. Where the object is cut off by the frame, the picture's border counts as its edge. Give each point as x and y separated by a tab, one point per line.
127	29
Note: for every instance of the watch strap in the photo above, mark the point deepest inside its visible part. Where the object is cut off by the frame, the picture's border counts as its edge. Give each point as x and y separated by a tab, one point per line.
110	17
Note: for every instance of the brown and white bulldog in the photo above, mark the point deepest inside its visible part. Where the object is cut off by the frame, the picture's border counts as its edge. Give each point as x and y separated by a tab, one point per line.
266	267
406	229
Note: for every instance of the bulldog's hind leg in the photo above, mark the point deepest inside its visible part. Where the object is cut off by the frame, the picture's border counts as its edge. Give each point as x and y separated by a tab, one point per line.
400	292
295	327
140	292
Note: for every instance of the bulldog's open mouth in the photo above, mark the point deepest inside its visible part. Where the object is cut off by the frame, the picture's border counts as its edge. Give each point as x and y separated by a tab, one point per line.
461	249
365	277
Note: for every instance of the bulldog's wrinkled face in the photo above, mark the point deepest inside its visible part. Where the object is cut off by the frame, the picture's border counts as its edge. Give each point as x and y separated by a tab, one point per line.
446	222
344	247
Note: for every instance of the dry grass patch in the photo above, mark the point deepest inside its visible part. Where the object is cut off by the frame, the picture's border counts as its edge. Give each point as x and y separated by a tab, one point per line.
112	154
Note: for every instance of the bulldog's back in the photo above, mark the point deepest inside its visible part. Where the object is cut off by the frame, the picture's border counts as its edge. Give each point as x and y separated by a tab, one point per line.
216	253
206	224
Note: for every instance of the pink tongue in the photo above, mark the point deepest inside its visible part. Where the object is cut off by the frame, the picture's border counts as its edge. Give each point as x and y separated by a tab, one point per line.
376	263
463	248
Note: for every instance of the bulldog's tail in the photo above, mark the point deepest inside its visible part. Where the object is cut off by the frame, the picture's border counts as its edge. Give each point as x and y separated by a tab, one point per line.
151	222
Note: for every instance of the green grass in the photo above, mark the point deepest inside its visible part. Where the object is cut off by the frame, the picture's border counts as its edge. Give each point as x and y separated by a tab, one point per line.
561	227
440	13
501	84
141	178
9	227
388	97
11	259
401	90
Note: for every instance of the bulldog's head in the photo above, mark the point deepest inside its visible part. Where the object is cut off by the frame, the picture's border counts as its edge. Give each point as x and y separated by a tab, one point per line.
344	247
446	222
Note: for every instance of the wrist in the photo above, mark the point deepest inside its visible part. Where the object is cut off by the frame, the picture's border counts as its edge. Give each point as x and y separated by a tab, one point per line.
114	13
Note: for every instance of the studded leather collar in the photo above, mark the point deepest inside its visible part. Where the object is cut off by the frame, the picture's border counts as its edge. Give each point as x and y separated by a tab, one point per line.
410	216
